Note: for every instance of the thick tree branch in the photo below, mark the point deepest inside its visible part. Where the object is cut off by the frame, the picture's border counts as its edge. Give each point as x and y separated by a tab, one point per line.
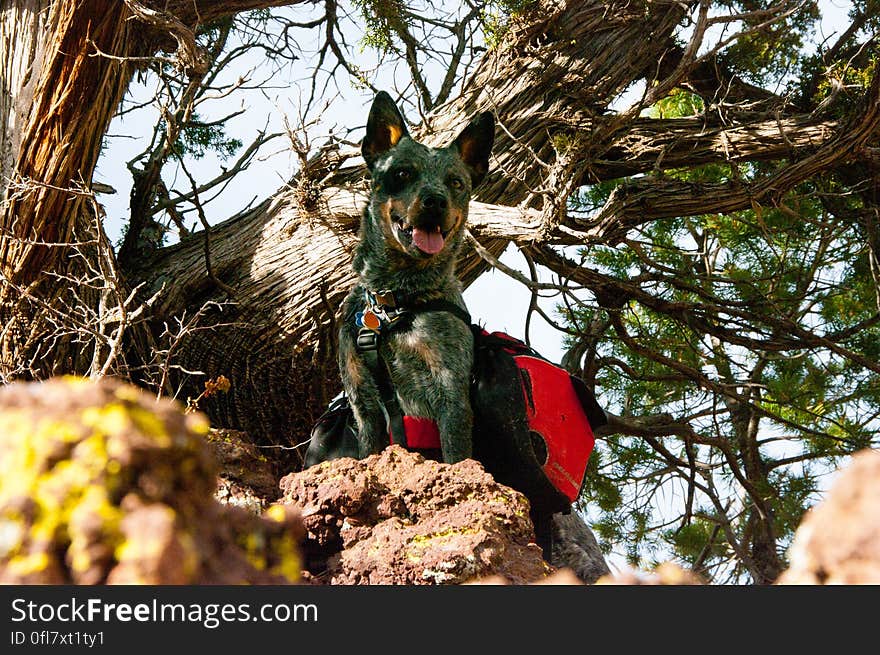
192	12
661	144
649	199
555	67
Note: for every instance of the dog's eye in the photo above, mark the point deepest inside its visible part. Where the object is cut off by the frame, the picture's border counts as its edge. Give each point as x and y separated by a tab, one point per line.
402	175
456	183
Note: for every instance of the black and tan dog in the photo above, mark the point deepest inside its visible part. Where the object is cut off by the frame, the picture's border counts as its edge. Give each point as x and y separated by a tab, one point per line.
410	237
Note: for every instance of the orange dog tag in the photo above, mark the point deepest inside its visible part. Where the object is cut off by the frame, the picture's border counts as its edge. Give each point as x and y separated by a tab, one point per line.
371	321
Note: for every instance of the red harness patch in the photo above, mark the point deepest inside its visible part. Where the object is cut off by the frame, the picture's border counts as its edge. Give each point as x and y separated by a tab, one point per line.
421	433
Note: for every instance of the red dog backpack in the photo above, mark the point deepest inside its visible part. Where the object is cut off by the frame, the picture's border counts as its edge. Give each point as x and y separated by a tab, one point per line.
533	421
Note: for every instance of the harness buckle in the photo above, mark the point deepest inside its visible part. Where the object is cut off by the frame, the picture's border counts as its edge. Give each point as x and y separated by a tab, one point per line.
367	340
385	299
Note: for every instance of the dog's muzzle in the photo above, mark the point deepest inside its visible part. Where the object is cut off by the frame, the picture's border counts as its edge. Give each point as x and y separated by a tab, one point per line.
426	233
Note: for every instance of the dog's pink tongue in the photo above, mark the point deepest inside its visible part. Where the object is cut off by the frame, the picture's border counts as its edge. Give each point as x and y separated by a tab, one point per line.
429	242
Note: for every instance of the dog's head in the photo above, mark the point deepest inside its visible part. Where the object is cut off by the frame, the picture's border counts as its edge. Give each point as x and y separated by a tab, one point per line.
420	195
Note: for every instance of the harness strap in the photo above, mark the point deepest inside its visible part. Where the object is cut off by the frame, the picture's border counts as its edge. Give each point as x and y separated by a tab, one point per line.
368	345
442	306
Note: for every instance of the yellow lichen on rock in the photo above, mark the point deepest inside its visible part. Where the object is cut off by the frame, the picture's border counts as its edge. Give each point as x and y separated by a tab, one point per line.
99	482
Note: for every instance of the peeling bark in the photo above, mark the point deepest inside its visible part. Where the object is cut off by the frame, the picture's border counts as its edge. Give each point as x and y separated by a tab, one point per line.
23	34
654	145
59	132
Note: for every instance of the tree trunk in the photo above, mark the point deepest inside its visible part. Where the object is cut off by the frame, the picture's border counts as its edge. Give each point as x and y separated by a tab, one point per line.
58	122
23	34
58	100
275	339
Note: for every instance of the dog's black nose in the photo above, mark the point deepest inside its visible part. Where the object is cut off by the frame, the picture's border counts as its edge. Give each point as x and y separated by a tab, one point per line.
434	202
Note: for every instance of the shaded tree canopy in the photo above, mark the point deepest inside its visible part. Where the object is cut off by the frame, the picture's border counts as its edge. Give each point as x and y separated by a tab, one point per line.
693	187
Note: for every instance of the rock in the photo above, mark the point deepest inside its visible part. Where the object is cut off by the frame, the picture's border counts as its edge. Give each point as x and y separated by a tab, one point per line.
574	547
667	573
838	541
101	483
396	518
247	478
565	577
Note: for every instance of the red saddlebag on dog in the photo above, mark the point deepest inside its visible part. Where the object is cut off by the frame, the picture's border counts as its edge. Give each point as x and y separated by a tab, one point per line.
533	421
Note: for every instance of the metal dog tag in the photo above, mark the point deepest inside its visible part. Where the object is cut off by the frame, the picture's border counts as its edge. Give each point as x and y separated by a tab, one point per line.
371	321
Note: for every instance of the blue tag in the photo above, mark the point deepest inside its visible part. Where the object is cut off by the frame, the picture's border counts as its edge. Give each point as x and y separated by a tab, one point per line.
359	319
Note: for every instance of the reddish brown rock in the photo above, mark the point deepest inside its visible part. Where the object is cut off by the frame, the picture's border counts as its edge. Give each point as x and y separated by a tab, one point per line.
667	573
100	483
247	478
396	518
838	541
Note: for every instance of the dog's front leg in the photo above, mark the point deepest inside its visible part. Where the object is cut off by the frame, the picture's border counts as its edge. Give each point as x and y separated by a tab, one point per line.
372	430
363	396
455	431
456	426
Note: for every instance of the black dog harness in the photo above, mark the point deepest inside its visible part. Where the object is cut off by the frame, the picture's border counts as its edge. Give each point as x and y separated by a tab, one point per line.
386	312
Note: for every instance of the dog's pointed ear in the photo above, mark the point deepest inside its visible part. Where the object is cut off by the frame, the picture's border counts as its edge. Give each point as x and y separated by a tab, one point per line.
385	127
474	145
